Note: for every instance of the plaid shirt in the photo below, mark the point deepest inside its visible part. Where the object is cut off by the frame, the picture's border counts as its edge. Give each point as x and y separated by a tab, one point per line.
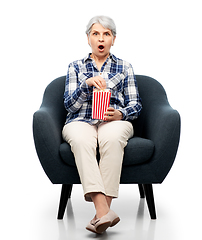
120	79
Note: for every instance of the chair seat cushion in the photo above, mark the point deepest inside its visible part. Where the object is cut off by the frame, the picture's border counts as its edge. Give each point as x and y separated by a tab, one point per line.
138	150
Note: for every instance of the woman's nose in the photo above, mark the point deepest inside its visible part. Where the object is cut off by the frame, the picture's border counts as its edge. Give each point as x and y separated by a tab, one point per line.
101	39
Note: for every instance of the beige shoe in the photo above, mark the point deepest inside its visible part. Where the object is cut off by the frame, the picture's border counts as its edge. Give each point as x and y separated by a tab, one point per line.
101	224
108	220
91	226
114	218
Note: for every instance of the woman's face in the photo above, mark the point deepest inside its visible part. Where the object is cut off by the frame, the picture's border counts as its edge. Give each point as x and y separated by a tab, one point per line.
100	39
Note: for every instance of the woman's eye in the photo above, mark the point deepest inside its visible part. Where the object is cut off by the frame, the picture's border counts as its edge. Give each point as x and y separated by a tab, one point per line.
95	34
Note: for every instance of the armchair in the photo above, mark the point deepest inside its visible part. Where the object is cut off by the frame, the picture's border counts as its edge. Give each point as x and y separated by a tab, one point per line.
148	156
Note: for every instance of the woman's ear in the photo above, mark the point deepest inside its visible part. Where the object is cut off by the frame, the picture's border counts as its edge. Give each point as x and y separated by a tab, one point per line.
88	37
113	40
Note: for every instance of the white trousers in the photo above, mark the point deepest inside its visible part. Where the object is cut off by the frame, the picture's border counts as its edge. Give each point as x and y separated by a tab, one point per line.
111	137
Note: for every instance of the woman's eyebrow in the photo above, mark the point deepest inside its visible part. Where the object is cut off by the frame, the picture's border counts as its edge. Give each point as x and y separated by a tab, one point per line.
107	31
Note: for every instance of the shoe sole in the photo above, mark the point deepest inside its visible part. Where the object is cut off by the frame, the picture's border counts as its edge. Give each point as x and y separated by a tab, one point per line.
115	221
91	230
102	227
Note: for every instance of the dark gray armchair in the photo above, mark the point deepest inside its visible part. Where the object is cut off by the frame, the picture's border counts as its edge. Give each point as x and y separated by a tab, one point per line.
148	156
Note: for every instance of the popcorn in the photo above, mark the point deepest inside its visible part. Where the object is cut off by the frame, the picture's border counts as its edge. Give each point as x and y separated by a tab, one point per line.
101	100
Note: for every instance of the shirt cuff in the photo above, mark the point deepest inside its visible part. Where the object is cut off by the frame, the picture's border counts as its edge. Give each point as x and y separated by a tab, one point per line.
85	88
124	112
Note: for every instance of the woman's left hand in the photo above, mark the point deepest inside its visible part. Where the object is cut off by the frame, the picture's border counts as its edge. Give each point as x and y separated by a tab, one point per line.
113	114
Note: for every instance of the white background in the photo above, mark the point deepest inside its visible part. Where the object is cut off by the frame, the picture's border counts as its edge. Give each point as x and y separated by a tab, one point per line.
161	39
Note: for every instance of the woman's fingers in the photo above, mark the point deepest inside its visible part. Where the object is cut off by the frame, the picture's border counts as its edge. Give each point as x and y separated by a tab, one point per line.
113	114
97	82
100	82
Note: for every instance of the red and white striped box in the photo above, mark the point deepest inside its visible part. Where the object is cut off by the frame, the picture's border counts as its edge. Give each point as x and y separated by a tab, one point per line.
101	100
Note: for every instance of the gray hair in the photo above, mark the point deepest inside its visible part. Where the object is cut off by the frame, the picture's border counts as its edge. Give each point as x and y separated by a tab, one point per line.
106	22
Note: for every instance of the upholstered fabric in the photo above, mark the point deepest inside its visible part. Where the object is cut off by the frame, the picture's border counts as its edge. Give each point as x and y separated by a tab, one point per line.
137	151
149	156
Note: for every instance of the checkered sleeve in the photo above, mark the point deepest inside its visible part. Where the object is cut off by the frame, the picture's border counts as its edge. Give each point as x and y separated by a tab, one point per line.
132	98
76	90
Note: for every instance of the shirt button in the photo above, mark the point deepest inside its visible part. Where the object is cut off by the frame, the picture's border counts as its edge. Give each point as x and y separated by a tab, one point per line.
100	73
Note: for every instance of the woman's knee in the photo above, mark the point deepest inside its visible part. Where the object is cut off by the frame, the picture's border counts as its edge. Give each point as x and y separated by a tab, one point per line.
115	134
79	133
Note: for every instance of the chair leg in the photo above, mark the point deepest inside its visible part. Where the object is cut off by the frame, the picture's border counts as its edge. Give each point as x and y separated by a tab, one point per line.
65	194
141	189
150	200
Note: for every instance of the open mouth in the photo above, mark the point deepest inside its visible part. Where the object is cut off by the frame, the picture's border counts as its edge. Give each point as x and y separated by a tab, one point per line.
101	47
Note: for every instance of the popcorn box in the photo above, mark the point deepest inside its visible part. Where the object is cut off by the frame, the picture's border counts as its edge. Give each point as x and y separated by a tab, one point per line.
101	100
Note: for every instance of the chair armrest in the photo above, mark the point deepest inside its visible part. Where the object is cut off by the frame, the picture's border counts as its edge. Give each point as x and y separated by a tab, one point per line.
47	137
162	126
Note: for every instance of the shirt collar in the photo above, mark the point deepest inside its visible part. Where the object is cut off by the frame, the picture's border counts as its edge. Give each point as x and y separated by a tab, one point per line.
110	56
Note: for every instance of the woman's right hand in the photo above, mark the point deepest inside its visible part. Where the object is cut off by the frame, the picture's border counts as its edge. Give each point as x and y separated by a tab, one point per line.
97	82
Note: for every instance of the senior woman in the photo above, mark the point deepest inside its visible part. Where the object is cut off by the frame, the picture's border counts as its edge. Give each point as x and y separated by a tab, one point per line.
100	69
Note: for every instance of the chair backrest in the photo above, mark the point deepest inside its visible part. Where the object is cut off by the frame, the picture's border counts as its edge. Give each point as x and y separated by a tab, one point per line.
153	95
53	99
151	91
